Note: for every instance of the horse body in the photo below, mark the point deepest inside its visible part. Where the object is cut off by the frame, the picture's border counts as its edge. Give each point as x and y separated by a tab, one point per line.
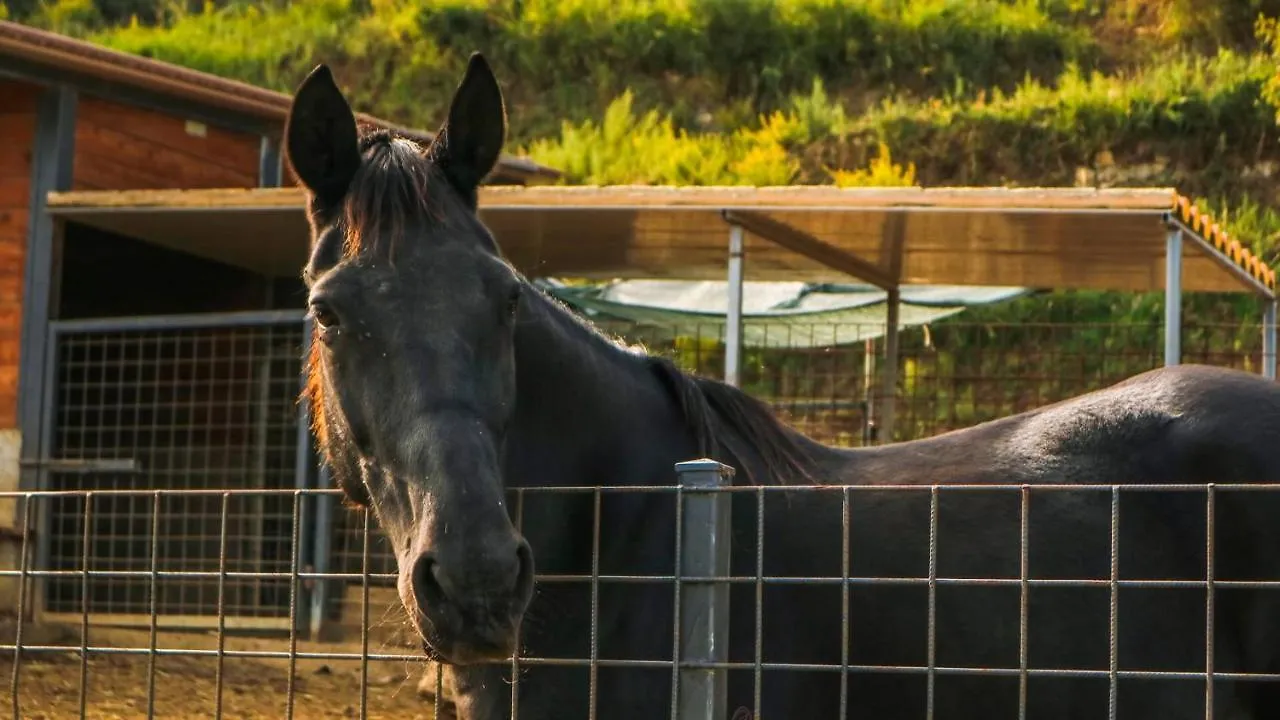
441	381
1176	425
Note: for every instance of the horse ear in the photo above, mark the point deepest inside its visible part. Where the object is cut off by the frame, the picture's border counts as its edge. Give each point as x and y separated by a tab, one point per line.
468	145
321	143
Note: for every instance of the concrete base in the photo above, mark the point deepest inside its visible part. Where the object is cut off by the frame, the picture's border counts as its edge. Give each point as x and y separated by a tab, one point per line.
10	532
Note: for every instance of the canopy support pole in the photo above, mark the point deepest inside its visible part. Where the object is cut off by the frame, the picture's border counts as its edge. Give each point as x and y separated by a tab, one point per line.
889	374
1269	340
1173	297
892	244
733	319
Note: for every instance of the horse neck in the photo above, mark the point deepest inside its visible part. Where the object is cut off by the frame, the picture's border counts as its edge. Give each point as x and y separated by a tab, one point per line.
588	412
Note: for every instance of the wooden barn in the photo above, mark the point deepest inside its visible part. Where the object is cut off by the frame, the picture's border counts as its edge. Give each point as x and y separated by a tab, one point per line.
190	394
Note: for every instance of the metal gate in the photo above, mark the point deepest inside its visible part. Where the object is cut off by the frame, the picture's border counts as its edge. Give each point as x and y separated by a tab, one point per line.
192	402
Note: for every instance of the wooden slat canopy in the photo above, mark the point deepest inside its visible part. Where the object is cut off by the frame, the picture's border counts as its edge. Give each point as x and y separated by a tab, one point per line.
1041	237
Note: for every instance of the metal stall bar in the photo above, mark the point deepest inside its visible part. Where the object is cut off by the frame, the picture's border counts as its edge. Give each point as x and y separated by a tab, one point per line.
702	693
151	391
312	517
270	162
320	550
1269	340
51	169
1173	297
192	321
52	163
733	320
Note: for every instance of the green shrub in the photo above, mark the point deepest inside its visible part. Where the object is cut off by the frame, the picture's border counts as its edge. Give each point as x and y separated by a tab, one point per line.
648	148
1196	123
268	44
964	92
567	59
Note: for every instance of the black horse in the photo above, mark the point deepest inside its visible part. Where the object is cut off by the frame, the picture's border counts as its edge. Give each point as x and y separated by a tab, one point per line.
441	381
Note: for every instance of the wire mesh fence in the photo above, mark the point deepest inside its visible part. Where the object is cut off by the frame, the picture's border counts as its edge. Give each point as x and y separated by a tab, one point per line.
177	405
88	670
226	669
209	402
951	374
179	532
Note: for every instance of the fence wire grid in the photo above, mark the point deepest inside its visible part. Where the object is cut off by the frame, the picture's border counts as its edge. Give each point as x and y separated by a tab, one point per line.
226	672
181	560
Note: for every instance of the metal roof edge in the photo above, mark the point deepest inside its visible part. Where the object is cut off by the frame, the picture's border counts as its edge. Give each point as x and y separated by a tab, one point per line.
1192	217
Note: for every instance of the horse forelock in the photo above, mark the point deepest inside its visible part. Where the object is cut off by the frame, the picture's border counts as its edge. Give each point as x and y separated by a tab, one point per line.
389	193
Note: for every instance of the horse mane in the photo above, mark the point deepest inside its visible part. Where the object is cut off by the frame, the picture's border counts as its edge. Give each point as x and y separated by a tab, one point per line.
718	414
722	415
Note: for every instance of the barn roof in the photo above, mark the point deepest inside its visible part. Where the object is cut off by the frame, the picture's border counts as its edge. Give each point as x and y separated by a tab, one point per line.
1037	237
33	54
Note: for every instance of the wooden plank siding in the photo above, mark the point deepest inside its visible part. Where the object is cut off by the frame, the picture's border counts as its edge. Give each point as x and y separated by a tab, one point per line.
18	129
119	147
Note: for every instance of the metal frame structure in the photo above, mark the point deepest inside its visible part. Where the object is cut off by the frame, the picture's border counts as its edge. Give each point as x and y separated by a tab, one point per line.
41	470
1180	231
1189	225
53	161
700	583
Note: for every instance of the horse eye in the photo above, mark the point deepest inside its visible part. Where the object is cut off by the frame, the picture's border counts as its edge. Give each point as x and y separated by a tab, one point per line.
323	315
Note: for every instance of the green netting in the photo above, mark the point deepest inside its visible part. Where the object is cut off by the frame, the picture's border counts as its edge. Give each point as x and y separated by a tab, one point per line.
775	314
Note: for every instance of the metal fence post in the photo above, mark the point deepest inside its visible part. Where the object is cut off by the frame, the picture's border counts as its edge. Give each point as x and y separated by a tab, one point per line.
1173	297
704	606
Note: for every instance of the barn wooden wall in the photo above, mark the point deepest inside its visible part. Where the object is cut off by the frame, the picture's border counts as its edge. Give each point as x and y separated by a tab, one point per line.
119	147
17	136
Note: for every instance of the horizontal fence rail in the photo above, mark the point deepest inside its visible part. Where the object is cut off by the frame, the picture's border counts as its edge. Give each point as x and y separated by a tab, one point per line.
230	671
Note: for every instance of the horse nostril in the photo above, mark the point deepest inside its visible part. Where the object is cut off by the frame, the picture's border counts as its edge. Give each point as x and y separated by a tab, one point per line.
473	579
427	585
524	569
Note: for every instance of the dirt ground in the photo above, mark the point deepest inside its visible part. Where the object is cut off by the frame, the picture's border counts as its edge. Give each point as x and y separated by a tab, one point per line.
186	687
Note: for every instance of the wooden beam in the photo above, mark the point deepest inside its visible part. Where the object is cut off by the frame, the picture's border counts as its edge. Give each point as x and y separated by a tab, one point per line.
894	241
1072	201
803	243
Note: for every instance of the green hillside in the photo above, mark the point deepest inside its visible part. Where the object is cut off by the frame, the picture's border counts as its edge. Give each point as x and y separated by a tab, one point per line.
936	92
